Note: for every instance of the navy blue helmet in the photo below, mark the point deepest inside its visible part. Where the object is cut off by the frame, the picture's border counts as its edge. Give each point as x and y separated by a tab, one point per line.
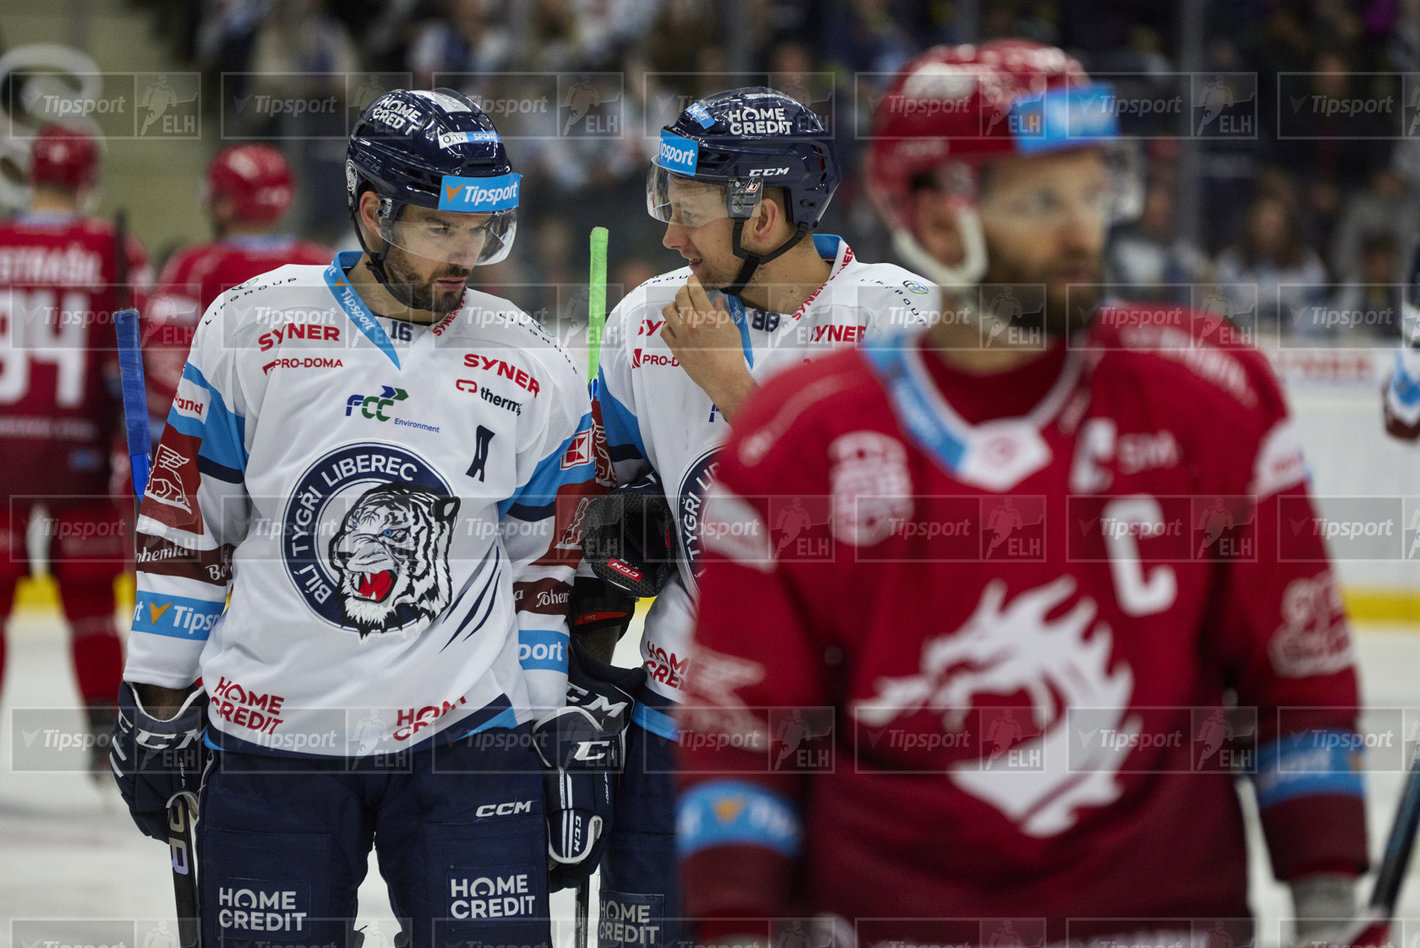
436	150
749	139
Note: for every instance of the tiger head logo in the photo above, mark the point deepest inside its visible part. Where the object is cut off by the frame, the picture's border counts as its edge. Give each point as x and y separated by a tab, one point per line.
392	557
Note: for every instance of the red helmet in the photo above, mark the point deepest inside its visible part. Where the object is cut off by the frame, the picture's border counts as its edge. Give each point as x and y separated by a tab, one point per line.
256	178
955	108
64	156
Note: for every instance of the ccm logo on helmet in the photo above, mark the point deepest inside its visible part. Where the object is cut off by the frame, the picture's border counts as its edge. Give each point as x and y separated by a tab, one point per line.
767	172
677	154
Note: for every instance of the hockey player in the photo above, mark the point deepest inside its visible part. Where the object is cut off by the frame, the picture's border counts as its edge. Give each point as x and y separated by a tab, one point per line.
384	468
59	415
1098	631
247	189
741	180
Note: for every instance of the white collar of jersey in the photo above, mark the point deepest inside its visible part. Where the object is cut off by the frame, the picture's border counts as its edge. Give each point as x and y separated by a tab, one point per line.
834	251
994	455
354	305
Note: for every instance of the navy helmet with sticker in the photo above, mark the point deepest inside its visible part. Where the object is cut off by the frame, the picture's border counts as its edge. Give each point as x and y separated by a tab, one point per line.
748	139
743	141
437	150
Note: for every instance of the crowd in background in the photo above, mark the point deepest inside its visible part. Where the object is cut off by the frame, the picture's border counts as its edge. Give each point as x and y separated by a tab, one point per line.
1313	210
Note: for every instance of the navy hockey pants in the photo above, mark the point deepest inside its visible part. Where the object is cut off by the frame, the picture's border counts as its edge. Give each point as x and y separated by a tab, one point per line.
283	845
640	890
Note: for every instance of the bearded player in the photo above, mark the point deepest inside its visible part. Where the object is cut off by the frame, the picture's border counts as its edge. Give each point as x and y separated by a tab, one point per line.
384	468
1109	644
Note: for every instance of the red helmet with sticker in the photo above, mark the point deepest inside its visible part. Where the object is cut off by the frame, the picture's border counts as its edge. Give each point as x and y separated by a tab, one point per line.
64	156
256	178
954	109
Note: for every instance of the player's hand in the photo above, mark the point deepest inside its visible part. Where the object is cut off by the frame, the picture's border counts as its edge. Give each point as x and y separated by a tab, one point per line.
705	340
583	746
628	539
155	759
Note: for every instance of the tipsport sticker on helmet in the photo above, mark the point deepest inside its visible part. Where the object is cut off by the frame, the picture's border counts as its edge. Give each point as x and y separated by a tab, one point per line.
479	195
677	154
1065	118
450	139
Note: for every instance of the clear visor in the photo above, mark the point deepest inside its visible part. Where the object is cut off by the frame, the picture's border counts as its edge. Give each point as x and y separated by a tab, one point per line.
1114	197
690	202
452	237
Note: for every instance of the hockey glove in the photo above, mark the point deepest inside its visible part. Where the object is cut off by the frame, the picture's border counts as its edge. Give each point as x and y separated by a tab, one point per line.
583	746
154	761
599	616
627	537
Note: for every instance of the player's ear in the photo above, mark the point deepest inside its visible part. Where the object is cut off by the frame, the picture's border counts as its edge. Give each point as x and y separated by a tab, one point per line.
935	224
770	225
369	217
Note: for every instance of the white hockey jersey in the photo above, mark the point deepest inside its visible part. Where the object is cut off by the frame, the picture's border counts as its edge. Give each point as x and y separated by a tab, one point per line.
395	509
655	416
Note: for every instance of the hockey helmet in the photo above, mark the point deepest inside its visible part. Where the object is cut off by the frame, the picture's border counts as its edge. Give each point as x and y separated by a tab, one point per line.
64	156
256	180
743	141
955	109
435	150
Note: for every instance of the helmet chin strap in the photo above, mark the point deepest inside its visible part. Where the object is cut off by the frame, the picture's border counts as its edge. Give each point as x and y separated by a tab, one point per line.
958	281
753	260
375	263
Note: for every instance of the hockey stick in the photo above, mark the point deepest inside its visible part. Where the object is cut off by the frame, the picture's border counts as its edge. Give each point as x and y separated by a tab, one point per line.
182	811
1399	844
596	302
596	321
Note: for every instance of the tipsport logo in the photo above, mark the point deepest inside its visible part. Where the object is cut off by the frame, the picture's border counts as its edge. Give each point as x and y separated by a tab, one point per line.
133	105
677	154
479	195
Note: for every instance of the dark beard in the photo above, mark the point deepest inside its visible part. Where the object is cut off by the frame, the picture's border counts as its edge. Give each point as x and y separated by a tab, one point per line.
1031	307
404	287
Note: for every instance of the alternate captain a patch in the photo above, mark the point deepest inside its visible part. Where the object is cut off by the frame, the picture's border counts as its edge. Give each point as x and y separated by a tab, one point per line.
366	537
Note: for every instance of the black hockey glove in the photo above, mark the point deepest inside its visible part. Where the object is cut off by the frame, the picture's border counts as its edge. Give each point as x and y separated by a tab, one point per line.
628	538
599	616
583	745
154	761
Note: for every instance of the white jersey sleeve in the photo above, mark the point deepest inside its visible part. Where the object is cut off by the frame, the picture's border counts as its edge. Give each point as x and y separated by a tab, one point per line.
193	514
390	512
615	398
542	528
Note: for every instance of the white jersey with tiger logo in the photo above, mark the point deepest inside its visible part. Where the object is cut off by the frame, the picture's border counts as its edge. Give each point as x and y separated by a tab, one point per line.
395	510
657	418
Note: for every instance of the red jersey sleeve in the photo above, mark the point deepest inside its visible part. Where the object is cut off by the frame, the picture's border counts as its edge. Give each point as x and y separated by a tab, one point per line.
760	681
1281	634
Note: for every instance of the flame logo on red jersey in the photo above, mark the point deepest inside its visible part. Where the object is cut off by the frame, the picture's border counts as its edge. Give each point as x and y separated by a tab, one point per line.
1012	647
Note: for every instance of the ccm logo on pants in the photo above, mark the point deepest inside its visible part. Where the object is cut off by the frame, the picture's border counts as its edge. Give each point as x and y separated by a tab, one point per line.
511	808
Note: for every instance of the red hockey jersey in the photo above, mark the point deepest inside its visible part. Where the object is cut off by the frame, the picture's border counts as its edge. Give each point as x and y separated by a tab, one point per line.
191	280
965	681
60	412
